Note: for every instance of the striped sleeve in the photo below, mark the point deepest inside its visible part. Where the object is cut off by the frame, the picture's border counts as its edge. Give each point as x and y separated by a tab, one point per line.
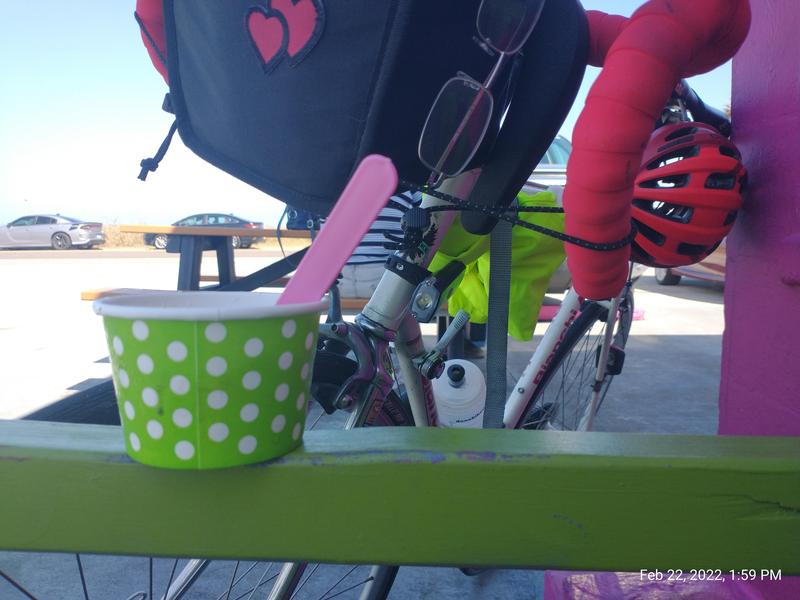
371	250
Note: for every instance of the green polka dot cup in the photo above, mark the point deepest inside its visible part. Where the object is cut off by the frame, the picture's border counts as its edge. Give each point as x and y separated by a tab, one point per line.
210	379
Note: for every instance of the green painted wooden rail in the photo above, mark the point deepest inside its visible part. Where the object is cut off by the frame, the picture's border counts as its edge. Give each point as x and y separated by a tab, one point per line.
570	501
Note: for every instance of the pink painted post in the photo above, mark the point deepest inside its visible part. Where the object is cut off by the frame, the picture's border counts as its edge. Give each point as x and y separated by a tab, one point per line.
760	388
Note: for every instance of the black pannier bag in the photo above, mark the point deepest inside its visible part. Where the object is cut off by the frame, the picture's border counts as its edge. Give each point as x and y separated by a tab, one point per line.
289	95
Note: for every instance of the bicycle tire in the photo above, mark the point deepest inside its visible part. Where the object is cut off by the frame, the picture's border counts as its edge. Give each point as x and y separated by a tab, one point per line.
562	398
331	371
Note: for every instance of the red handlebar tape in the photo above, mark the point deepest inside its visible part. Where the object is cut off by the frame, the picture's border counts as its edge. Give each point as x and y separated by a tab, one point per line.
643	58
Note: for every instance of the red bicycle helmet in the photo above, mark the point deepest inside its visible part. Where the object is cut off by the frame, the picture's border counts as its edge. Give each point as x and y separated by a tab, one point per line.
686	195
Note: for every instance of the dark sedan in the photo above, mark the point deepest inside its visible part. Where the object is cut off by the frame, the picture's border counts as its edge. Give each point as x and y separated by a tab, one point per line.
159	240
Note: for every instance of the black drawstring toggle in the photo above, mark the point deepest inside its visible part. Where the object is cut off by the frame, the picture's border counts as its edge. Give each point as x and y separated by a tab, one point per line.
149	165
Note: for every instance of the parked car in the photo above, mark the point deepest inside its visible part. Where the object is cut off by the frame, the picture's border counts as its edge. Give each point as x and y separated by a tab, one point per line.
552	169
712	268
159	240
54	231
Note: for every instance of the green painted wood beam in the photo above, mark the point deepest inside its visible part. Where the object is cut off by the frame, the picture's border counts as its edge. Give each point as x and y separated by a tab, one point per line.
587	501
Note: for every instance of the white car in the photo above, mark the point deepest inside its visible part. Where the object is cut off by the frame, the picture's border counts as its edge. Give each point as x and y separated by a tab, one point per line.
53	231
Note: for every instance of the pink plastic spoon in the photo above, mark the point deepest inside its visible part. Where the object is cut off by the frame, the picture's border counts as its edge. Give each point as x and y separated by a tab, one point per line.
367	192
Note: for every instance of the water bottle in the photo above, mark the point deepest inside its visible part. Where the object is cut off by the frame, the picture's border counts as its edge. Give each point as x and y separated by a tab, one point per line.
460	394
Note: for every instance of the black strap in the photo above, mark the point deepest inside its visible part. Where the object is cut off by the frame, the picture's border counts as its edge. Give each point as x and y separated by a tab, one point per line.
151	164
502	214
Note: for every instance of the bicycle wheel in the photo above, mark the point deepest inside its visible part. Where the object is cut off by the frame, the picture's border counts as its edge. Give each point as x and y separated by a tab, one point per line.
173	579
562	400
323	581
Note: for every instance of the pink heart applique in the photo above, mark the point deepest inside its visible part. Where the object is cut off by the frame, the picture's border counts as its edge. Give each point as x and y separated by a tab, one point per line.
302	18
267	34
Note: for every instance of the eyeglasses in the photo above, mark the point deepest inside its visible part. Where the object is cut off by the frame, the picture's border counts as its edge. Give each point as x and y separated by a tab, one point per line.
462	111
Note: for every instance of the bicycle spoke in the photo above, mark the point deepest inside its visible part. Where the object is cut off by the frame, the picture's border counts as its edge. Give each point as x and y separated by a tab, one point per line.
83	578
19	588
352	587
233	578
258	583
169	582
237	581
340	580
300	587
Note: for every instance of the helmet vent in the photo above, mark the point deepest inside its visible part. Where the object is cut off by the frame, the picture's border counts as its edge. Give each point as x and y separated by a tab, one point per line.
651	234
732	152
721	181
694	250
673	212
730	218
680	133
640	255
673	181
671	157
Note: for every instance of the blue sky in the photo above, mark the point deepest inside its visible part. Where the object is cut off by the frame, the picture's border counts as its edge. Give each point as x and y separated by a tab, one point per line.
80	107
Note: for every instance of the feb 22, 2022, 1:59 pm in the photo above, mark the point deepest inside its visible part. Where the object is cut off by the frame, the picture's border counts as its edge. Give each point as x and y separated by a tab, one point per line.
710	575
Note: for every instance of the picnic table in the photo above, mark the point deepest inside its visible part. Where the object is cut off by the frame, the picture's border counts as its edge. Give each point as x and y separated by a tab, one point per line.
190	242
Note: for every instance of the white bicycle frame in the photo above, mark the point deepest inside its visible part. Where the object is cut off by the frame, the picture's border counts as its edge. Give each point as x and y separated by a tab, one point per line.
388	307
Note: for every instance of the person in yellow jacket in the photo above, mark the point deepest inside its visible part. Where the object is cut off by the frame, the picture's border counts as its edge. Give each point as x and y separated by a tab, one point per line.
534	259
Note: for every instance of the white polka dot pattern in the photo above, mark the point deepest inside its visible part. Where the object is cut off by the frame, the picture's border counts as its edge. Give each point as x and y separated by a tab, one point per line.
179	385
150	397
285	361
217	399
249	412
216	366
288	329
215	332
182	417
247	444
211	394
140	330
145	364
282	392
253	347
218	432
251	380
155	430
129	410
278	423
177	351
184	450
